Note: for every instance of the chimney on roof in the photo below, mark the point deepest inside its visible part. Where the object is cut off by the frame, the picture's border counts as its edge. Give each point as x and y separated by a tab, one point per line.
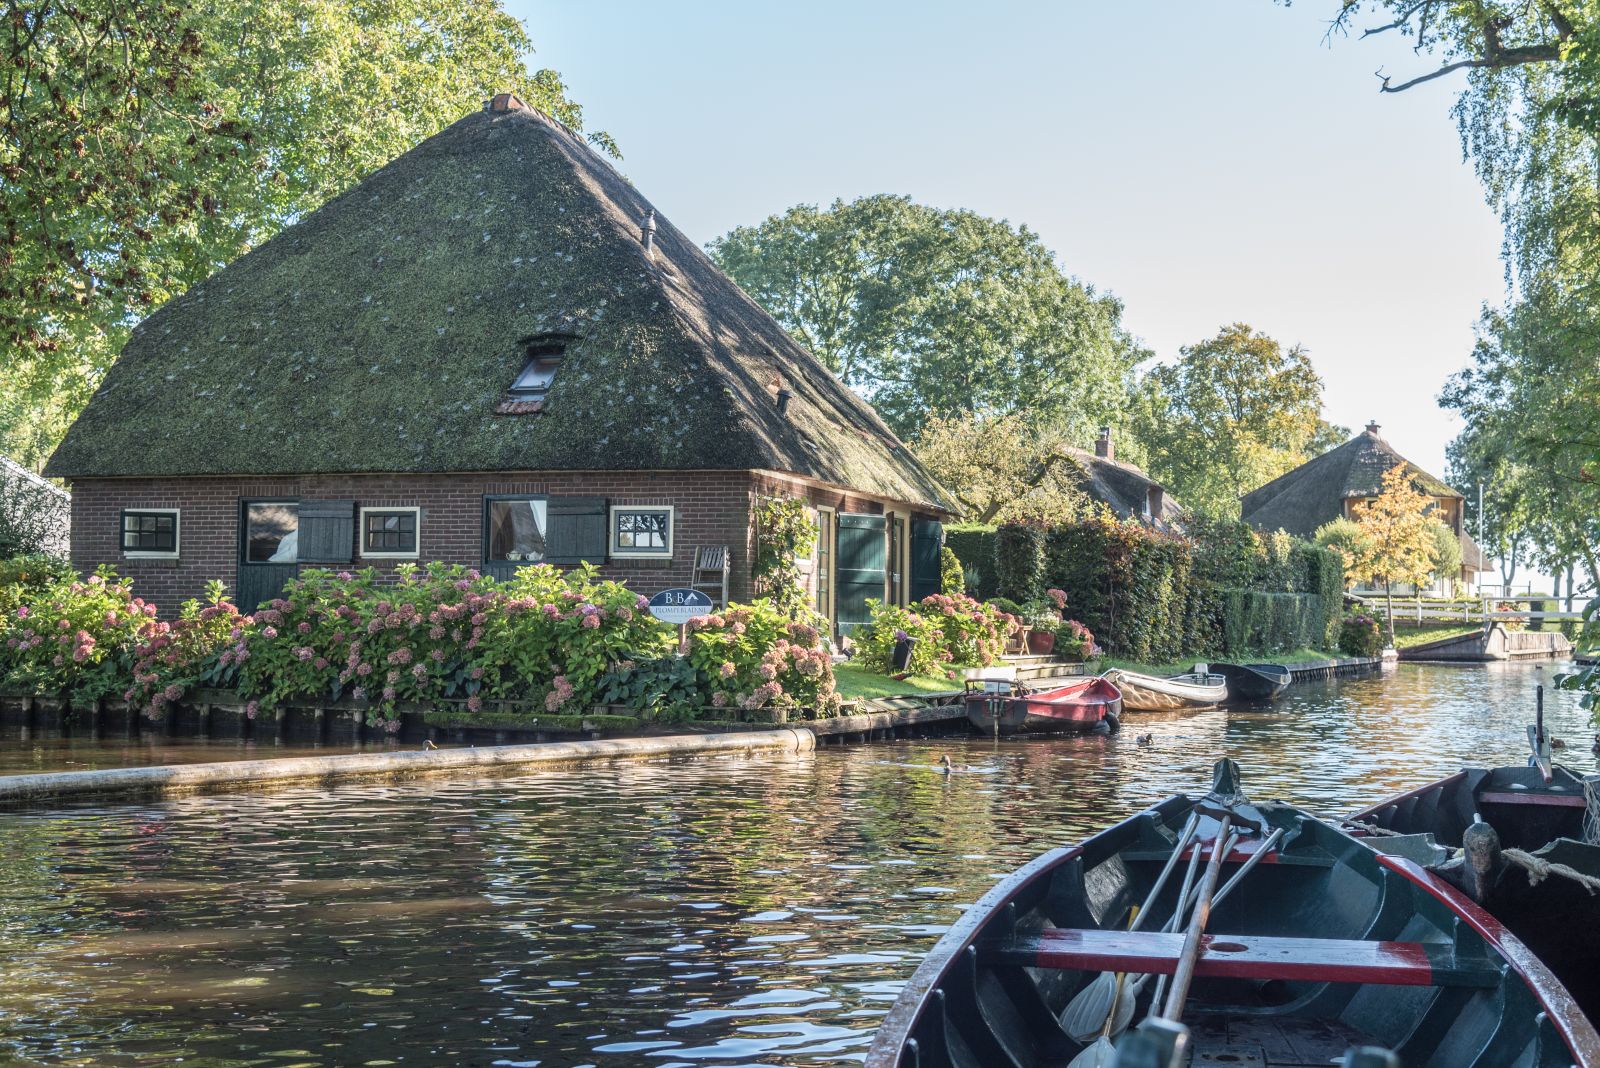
648	234
1373	428
1102	445
505	102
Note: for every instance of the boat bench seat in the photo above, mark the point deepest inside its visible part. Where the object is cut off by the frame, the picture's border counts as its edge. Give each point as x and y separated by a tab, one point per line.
1225	956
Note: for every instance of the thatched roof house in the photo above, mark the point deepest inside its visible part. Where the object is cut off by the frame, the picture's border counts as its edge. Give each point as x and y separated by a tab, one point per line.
1123	487
497	301
1326	488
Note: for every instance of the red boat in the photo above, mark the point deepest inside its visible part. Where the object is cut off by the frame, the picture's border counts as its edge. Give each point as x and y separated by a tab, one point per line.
1081	705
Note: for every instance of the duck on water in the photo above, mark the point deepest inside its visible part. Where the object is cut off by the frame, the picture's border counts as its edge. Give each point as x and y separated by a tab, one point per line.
1314	945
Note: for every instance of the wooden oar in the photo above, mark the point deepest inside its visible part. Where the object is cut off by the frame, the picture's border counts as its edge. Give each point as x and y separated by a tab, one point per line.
1088	1011
1190	956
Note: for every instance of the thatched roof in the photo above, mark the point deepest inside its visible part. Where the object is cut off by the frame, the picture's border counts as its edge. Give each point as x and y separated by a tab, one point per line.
1315	492
1122	487
380	333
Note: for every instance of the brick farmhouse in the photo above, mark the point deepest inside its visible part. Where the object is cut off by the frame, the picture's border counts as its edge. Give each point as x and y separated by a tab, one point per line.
492	351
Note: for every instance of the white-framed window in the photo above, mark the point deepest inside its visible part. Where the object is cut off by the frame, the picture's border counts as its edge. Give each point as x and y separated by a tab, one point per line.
391	533
641	531
150	533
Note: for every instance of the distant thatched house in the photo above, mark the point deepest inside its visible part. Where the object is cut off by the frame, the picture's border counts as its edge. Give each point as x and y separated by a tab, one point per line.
1329	486
491	351
35	513
1122	487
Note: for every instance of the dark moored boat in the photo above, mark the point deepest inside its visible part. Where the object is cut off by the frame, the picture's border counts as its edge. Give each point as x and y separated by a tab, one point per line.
1322	946
1508	823
1081	705
1254	682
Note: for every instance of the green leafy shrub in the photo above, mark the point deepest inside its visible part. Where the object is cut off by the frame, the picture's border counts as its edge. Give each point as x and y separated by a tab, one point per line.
1074	641
785	531
1360	635
668	689
23	576
876	640
952	576
1006	605
754	656
75	638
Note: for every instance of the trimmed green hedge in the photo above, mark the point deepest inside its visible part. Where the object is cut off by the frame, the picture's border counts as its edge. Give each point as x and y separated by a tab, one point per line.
974	547
1221	589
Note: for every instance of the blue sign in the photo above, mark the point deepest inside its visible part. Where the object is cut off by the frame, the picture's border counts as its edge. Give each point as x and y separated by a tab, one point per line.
678	606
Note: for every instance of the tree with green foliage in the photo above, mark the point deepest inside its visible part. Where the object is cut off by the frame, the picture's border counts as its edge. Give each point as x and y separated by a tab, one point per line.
1531	404
1398	527
1001	469
1350	541
1447	558
144	146
933	312
1234	412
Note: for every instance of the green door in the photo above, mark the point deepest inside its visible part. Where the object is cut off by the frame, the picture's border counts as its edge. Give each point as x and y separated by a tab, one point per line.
927	539
860	568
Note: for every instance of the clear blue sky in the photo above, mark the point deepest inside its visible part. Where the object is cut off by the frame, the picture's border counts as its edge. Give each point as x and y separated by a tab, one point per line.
1205	160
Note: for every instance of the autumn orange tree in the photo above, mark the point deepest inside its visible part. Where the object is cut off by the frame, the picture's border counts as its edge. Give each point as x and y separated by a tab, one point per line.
1397	535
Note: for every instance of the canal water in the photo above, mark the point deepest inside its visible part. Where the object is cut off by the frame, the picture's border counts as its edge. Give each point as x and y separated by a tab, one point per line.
757	911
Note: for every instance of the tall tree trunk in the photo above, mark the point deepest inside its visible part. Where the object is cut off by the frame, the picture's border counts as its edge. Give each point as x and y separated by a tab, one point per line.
1571	585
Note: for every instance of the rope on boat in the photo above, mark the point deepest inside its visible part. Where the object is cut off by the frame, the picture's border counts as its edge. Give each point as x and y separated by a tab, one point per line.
1539	870
1372	828
1591	809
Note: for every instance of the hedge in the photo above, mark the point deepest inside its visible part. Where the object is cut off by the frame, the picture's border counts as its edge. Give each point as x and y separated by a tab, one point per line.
974	547
1219	589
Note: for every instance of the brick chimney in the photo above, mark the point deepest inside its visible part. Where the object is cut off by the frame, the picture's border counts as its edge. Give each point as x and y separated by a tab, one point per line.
1102	445
501	102
1373	428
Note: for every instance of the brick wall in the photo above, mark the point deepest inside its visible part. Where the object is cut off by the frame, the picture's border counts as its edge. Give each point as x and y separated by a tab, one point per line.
712	508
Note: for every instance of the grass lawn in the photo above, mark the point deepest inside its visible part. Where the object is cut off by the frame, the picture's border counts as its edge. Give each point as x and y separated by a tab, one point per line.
1289	659
1406	637
856	682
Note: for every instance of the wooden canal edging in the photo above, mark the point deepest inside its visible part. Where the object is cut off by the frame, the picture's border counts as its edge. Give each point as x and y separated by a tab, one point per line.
1327	669
1495	643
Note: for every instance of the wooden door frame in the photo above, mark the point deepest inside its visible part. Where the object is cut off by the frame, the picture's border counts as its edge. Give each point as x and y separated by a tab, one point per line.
827	518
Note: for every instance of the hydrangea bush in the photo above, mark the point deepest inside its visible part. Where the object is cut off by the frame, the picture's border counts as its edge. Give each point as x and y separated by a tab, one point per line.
754	656
1360	635
887	626
171	659
563	639
75	638
971	632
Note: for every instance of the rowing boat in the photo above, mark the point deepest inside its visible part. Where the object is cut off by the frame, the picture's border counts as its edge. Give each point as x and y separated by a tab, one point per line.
1081	705
1149	693
1523	856
1320	945
1254	682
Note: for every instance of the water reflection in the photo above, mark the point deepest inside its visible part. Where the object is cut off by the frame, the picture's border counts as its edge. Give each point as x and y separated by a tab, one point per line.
673	914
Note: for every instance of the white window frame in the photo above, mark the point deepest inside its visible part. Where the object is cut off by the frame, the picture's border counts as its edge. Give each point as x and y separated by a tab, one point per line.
361	533
147	554
615	551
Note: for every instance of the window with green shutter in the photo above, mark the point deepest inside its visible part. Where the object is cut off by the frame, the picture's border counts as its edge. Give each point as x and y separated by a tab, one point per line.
327	532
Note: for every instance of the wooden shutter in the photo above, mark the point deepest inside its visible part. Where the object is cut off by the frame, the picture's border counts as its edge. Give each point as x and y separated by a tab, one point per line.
577	531
859	567
927	539
327	532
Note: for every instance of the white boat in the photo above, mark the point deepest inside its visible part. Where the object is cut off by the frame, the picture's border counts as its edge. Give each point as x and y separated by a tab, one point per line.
1148	693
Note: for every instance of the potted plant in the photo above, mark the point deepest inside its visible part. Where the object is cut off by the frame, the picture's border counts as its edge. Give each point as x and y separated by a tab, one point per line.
1042	621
